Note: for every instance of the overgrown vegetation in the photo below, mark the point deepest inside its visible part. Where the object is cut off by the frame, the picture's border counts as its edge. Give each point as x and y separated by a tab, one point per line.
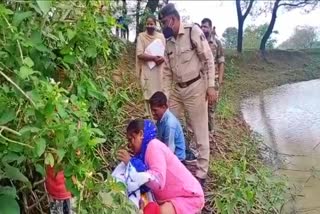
59	104
241	182
64	100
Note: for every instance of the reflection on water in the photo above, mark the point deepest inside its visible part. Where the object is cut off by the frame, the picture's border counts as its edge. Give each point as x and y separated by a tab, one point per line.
288	118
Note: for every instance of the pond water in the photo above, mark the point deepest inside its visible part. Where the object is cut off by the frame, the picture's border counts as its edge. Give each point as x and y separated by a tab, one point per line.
288	119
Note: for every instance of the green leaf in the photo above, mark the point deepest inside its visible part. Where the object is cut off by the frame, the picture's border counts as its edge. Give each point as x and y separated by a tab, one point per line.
49	108
7	116
91	51
40	169
42	48
97	141
16	148
26	71
40	146
10	157
60	153
61	111
28	62
5	11
20	16
9	191
44	5
61	37
27	129
70	34
70	59
49	160
35	38
97	131
14	173
8	205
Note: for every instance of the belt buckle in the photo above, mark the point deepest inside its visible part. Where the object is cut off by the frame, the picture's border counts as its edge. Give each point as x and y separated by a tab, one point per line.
183	85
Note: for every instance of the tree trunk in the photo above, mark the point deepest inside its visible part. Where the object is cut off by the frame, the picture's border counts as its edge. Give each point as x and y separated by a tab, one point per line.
240	27
241	19
269	31
137	19
240	36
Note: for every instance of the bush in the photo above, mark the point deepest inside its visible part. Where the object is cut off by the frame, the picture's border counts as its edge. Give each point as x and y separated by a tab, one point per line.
56	63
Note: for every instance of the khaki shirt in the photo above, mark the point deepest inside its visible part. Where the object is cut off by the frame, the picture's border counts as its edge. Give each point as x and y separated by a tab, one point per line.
217	50
182	62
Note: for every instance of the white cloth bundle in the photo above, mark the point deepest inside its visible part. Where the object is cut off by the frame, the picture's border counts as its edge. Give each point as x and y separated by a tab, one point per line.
133	180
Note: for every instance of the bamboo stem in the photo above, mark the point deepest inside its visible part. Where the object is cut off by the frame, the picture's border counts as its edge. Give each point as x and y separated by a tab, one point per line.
17	87
16	142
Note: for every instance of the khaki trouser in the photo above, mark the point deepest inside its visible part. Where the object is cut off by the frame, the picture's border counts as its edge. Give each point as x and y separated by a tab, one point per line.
211	114
212	110
147	109
193	100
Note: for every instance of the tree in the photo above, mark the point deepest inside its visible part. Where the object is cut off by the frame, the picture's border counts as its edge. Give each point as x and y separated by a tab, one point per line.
288	5
253	35
151	8
303	37
230	37
138	7
246	6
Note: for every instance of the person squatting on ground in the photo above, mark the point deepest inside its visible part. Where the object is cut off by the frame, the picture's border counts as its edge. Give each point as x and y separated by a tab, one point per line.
175	189
169	128
188	79
150	79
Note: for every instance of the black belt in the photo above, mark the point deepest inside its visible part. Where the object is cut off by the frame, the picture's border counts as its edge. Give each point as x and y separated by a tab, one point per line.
186	84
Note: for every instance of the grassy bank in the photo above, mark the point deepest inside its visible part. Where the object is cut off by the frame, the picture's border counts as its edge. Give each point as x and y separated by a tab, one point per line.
239	181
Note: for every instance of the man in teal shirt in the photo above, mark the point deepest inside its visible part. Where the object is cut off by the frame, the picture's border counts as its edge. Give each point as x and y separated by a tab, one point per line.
169	128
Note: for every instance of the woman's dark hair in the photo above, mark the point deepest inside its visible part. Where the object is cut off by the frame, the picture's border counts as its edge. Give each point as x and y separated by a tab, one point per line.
135	126
158	99
152	17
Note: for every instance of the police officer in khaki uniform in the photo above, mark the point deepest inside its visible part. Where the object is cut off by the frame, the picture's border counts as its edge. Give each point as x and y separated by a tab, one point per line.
217	51
216	47
219	57
188	79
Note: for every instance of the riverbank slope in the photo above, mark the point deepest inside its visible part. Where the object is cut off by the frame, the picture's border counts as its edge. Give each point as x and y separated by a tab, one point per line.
239	182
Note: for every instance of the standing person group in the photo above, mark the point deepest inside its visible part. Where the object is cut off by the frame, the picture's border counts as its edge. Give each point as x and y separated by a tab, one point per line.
183	80
189	73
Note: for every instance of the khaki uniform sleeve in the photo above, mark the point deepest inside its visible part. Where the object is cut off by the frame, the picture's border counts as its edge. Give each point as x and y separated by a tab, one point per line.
220	53
167	76
205	54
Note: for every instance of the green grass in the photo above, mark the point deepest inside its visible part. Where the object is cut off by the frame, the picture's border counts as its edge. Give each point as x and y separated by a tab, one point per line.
241	182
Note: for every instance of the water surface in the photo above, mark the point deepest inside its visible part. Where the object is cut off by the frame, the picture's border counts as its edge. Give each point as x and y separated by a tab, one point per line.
288	118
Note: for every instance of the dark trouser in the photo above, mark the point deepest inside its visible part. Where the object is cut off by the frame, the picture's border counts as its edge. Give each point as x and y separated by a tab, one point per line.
60	207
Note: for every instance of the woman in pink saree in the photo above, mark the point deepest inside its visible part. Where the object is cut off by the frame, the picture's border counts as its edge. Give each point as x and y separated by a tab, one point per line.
175	189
